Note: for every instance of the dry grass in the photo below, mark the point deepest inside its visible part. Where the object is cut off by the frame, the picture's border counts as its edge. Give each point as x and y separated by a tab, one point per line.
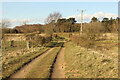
14	60
88	63
12	64
18	45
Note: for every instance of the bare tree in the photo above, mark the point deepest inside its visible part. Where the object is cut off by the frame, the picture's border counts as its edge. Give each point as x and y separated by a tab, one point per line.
5	23
51	20
53	17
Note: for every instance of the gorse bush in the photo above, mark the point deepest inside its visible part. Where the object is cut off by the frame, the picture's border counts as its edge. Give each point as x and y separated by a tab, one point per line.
91	33
37	40
41	40
83	41
95	27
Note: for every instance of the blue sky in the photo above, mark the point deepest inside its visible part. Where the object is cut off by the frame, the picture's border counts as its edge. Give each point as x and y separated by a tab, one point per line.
36	12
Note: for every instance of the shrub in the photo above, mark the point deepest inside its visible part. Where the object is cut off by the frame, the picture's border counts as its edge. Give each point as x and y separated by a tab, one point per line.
13	31
91	33
37	40
83	41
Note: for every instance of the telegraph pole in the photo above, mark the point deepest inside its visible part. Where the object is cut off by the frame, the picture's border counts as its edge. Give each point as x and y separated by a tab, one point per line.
81	21
81	28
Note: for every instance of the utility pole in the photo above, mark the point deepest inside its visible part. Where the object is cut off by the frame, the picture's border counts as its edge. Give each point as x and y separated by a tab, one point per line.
81	21
81	28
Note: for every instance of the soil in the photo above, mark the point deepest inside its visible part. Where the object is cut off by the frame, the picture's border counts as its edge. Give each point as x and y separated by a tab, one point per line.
58	70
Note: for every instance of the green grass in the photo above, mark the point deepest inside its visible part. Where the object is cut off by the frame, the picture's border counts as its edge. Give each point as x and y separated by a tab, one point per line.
13	63
84	63
18	45
51	44
42	69
64	35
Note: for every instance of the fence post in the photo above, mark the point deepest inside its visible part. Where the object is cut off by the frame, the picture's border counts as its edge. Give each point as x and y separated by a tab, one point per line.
12	43
28	44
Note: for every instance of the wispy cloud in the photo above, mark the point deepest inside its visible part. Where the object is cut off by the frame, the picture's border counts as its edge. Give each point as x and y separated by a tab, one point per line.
17	22
28	20
99	15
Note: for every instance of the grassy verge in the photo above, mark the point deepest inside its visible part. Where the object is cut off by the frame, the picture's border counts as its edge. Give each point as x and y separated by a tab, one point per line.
42	69
85	63
107	41
12	64
64	35
18	45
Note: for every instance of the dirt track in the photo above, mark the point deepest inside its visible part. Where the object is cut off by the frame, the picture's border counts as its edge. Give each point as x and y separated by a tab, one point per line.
25	70
58	70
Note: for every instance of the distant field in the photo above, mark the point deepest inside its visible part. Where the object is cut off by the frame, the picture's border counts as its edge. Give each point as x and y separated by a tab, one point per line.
88	63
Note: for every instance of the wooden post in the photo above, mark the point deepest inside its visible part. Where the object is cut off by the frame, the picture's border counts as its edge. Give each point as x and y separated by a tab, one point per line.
28	45
1	44
12	43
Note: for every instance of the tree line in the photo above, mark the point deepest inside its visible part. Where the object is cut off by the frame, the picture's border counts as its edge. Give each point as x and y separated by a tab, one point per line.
55	23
